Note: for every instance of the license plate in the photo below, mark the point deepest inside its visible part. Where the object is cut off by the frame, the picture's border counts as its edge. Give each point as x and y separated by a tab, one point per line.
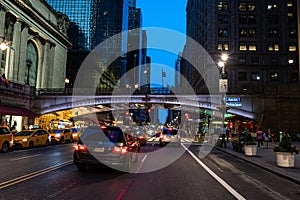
97	149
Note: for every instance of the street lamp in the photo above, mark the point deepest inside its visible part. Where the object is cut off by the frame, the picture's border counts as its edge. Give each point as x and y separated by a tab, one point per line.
67	81
28	64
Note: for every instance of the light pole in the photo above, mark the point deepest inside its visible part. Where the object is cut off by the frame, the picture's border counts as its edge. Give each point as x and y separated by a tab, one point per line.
28	64
223	85
67	81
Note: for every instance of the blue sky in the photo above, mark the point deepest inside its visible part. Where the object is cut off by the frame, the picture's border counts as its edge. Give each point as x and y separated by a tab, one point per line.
164	14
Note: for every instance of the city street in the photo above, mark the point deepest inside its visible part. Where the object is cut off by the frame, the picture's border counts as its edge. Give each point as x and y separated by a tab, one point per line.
48	173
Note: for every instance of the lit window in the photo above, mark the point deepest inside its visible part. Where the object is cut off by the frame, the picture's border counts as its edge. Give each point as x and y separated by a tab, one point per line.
226	46
252	32
252	46
255	76
276	47
242	6
290	14
222	5
243	32
220	46
290	4
274	76
243	46
292	47
251	6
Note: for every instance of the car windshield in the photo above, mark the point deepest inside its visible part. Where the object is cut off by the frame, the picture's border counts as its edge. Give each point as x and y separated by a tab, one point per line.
24	133
56	131
170	131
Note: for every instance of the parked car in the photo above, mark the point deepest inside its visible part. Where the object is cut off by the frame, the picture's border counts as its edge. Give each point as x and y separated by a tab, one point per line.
104	146
61	135
169	135
31	138
6	139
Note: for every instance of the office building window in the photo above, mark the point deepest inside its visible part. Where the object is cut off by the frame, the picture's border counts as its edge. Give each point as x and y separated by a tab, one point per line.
274	76
292	32
242	6
242	60
223	32
243	19
223	46
292	47
251	19
223	19
222	5
273	32
251	6
243	32
243	46
255	76
272	5
252	32
254	60
273	46
242	76
290	3
252	46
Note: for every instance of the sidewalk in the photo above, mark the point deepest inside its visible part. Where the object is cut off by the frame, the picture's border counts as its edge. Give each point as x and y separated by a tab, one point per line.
266	159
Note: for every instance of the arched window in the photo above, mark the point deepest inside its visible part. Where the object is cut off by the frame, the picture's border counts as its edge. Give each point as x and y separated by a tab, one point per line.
31	64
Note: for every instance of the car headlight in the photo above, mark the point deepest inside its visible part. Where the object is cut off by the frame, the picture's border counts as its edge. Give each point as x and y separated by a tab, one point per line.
57	135
24	139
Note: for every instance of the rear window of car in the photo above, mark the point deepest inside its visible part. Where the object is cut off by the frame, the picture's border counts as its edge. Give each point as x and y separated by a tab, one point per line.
170	131
56	131
114	134
3	131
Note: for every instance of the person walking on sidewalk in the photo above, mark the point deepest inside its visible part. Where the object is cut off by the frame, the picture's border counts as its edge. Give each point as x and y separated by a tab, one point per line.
267	138
259	137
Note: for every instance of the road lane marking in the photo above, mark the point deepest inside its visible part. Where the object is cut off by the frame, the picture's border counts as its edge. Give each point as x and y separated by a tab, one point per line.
215	176
25	157
144	158
33	174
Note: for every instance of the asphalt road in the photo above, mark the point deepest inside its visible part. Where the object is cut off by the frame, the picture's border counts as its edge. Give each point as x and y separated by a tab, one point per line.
48	173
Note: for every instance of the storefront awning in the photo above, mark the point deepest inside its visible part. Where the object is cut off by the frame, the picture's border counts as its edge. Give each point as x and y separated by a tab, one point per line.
7	110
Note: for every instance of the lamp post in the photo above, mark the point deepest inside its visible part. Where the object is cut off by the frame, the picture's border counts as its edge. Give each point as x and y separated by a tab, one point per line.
67	81
223	85
28	64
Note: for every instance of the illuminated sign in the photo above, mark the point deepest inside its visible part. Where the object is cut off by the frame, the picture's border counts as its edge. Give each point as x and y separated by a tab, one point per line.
233	99
234	104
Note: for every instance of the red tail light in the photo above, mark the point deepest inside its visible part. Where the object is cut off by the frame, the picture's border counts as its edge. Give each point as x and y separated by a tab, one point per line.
122	150
161	136
79	147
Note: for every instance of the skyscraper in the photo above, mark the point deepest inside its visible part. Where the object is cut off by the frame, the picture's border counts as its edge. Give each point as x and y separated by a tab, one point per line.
80	15
260	38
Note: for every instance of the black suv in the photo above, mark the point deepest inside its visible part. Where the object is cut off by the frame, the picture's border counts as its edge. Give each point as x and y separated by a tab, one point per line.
104	146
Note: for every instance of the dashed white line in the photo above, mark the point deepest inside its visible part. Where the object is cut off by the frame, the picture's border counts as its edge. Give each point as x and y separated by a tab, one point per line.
25	157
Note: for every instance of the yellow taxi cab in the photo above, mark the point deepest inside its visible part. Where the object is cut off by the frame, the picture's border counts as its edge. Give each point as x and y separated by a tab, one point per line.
61	135
6	139
31	138
75	133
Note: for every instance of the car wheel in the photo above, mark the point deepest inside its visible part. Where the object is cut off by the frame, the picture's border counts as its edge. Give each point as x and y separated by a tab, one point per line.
5	147
81	167
47	142
71	139
31	145
62	140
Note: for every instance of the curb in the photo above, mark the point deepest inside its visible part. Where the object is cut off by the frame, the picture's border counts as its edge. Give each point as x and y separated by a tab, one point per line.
263	167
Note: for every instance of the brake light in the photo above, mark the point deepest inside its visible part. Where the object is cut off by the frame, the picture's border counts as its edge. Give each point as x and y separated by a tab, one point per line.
79	147
161	136
141	137
122	150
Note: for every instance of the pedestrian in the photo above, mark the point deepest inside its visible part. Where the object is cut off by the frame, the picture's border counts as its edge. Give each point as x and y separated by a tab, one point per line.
259	137
267	138
223	143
